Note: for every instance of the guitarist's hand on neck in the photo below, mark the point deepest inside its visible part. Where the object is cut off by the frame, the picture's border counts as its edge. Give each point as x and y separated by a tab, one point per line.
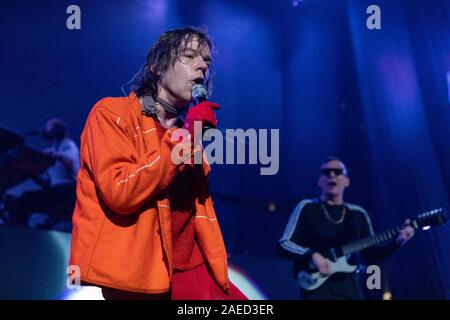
321	263
406	233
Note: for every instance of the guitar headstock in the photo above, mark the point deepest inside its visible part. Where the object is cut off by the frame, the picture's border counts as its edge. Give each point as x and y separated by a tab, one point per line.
431	218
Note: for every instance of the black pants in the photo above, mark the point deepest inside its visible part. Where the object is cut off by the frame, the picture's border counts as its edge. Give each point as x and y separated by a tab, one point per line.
116	294
340	286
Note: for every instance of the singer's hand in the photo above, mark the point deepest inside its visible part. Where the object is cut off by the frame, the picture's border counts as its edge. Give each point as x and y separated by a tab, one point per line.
204	112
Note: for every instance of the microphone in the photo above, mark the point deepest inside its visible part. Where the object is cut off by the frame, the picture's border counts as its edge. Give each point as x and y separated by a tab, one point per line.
199	93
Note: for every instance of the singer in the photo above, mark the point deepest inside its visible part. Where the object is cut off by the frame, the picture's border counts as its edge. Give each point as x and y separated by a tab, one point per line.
144	226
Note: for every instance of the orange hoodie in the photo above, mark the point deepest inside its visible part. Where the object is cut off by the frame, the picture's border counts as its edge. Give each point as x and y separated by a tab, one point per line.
121	234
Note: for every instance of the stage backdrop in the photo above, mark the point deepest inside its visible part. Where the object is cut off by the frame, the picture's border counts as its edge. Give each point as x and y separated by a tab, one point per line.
379	99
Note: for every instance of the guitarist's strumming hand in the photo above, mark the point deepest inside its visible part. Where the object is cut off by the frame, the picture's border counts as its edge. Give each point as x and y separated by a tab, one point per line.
406	233
321	263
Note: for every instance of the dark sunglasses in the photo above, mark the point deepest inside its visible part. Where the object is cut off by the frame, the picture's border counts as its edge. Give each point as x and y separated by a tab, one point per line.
327	171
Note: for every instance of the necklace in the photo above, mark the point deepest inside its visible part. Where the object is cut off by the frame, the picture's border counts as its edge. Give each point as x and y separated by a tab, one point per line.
344	211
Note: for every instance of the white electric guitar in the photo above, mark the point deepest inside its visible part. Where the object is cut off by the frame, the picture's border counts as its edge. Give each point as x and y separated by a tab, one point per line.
312	279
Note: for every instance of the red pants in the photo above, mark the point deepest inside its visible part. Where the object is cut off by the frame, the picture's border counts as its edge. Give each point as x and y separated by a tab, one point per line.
198	284
195	284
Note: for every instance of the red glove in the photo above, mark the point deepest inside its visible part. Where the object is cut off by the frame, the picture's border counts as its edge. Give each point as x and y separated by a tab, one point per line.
204	112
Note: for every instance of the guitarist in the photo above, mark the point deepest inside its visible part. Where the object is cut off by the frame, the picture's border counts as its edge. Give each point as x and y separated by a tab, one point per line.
328	222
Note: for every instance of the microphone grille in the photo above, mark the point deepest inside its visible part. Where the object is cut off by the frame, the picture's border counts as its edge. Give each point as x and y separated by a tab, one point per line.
199	92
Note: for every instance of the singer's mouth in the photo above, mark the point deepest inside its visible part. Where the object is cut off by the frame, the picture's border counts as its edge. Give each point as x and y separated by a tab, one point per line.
199	80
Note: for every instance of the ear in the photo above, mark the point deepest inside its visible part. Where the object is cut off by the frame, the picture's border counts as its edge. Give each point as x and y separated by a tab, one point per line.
347	182
318	182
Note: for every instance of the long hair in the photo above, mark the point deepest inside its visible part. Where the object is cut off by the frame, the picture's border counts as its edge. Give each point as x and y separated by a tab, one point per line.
165	53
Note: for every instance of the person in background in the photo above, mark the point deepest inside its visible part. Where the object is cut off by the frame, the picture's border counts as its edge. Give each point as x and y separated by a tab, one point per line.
51	206
328	222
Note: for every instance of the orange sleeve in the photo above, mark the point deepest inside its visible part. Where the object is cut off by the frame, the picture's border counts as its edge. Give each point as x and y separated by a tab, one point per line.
125	180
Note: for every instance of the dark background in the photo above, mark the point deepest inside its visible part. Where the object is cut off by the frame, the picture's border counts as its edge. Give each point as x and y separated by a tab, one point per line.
379	99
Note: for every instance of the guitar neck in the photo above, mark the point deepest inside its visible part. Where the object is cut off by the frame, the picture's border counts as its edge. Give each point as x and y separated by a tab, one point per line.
369	241
434	217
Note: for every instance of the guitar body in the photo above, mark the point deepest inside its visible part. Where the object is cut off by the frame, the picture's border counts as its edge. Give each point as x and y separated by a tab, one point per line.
313	280
310	280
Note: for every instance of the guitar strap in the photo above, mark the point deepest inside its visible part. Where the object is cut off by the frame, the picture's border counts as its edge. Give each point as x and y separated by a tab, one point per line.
350	227
354	232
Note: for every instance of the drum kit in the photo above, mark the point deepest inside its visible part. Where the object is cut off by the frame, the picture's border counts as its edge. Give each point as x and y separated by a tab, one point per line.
18	162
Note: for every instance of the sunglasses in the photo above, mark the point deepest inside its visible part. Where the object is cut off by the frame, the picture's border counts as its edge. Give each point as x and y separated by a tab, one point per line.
327	171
